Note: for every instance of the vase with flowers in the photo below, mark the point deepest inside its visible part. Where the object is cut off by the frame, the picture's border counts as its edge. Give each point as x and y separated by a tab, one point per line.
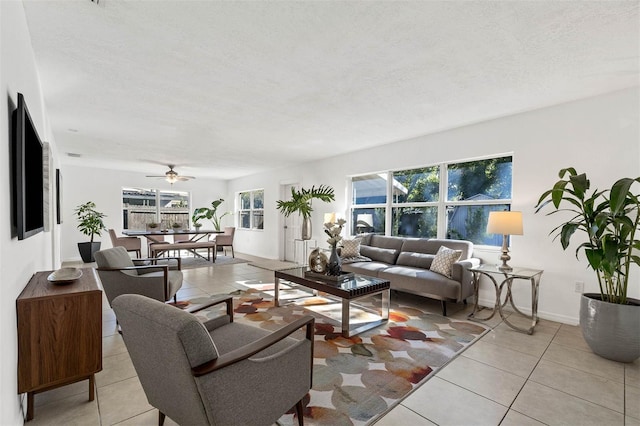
333	230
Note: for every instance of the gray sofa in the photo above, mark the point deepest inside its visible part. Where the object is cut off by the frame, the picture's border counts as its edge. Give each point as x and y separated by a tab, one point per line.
405	262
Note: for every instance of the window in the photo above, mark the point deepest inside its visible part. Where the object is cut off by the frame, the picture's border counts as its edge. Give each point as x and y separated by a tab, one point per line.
143	206
451	200
415	202
251	212
475	188
369	199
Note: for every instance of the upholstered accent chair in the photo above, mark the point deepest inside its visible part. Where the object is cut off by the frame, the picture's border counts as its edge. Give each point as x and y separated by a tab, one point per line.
129	243
119	275
226	239
218	372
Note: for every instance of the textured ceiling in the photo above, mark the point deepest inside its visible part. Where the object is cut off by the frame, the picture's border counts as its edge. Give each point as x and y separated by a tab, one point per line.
226	89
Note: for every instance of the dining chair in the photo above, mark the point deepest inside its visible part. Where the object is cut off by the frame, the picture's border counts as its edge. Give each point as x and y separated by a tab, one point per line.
129	243
225	240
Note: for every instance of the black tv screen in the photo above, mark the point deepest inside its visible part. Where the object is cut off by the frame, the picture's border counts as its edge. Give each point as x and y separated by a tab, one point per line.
28	173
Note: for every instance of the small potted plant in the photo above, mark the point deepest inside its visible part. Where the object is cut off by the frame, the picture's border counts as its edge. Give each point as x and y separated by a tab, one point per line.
609	220
300	203
176	226
153	226
90	223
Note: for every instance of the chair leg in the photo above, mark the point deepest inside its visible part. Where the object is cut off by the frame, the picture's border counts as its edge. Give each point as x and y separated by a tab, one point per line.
444	308
299	413
161	417
232	253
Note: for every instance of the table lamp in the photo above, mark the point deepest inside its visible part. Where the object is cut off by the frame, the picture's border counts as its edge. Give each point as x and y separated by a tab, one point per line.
505	223
329	218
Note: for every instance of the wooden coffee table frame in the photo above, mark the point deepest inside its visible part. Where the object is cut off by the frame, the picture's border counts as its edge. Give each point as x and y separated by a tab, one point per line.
347	291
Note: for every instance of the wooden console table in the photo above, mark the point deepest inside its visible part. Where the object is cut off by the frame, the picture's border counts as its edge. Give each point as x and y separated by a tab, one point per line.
59	334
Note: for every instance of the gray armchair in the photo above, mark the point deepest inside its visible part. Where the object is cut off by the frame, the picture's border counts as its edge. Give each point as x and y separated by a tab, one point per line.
130	243
119	275
219	372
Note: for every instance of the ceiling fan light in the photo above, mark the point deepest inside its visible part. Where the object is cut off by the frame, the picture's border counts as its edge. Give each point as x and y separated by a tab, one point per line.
172	177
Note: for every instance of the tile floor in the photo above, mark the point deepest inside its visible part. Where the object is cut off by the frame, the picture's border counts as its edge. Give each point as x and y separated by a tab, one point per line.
506	378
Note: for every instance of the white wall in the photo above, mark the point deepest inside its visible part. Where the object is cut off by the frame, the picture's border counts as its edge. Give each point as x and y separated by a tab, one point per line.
542	142
104	187
18	259
599	136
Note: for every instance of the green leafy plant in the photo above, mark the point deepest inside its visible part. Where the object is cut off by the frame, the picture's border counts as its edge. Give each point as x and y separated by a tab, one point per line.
210	213
153	225
90	220
300	201
609	219
176	225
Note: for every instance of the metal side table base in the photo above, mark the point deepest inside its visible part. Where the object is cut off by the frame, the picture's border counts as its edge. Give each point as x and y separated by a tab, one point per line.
490	271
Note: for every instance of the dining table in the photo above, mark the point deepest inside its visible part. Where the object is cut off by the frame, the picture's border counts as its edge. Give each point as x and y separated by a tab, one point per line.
198	238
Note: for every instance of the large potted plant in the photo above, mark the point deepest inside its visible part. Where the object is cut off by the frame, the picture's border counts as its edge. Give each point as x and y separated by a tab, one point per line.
210	213
609	220
89	223
300	203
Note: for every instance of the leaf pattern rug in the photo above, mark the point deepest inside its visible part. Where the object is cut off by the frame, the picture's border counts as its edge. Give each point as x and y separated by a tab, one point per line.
358	379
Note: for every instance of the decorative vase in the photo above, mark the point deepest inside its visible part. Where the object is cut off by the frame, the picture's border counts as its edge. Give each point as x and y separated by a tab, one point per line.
611	330
306	228
334	267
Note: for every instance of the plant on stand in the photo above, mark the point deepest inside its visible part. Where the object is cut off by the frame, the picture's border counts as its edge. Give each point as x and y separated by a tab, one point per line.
210	213
609	219
300	203
89	223
333	230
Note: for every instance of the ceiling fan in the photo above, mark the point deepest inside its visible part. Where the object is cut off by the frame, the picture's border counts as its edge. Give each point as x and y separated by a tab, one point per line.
172	176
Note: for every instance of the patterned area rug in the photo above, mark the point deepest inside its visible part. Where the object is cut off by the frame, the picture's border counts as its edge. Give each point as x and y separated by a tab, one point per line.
358	379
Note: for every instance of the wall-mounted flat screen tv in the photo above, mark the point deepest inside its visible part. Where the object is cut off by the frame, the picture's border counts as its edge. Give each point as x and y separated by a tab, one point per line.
28	173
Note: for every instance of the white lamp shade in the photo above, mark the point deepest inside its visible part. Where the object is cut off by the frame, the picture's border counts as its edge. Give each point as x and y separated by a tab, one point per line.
364	220
505	223
329	218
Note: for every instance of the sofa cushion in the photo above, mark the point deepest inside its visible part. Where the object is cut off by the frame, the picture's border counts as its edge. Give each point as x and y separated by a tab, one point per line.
370	268
444	260
365	239
350	248
383	241
346	260
419	245
421	281
418	260
386	255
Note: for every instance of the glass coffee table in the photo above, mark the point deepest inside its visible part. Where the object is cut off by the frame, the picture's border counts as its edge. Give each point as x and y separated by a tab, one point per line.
353	318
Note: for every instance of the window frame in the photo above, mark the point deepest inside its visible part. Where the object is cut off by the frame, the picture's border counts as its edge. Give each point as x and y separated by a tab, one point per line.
251	211
157	209
443	204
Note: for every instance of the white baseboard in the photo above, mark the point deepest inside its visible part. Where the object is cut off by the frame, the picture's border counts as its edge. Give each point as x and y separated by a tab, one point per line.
564	319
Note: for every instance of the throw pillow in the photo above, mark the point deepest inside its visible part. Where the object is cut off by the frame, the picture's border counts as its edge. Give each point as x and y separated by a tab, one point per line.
444	260
350	248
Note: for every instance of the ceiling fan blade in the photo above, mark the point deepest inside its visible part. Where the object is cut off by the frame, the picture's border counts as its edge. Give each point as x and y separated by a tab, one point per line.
172	174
